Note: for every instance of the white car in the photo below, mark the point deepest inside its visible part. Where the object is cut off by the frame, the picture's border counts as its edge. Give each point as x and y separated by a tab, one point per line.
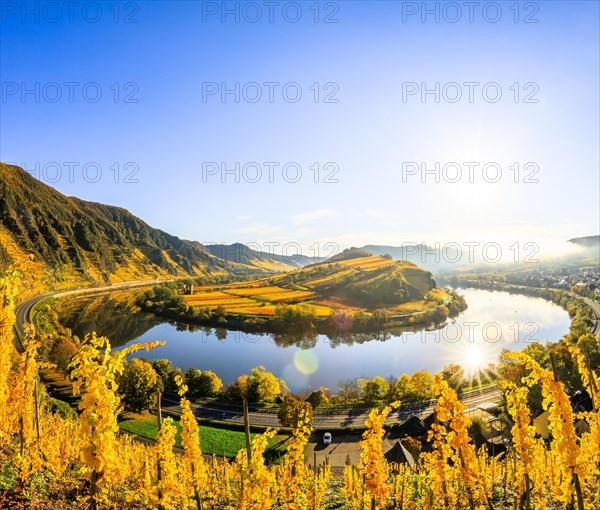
327	438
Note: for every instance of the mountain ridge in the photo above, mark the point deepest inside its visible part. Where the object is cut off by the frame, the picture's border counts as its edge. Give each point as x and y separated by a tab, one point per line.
239	253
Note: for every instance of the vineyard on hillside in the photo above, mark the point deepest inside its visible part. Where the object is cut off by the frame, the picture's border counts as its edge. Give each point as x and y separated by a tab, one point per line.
336	297
56	461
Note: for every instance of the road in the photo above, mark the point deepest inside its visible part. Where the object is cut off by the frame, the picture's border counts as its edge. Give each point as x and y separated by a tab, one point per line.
324	418
23	312
595	306
329	417
343	447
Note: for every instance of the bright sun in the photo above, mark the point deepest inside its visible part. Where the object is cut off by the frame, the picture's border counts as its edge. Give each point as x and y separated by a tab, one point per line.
473	358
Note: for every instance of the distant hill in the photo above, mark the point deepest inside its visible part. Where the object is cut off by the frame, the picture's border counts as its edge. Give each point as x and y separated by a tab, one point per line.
238	253
586	242
454	256
73	242
422	255
351	253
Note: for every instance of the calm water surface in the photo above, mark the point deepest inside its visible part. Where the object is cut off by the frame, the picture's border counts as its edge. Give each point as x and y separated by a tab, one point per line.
494	321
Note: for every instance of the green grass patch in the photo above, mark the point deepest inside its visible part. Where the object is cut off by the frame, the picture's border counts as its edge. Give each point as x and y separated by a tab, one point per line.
479	386
224	441
39	315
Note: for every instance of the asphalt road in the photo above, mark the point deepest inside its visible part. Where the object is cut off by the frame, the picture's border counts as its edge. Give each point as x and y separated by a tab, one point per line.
596	307
325	418
23	314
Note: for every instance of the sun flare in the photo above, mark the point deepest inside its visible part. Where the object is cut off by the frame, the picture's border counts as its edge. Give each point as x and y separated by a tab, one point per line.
474	357
473	360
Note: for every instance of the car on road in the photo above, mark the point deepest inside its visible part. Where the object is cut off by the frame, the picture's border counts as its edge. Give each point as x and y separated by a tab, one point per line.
327	438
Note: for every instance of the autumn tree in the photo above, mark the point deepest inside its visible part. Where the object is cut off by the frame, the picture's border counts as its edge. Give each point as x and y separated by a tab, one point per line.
61	353
292	410
238	389
454	375
361	382
375	389
589	345
317	398
348	390
400	389
515	373
165	372
263	386
564	367
421	383
203	383
211	383
138	385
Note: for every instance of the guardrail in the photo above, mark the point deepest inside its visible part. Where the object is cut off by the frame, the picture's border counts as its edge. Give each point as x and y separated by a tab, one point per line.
479	391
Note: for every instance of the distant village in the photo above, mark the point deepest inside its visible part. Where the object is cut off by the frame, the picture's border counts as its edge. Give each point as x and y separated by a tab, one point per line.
582	281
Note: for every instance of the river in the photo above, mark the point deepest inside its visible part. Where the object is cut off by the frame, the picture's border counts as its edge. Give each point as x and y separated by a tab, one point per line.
494	321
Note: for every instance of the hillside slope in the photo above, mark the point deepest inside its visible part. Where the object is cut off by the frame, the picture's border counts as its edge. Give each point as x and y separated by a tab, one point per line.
425	256
365	281
72	241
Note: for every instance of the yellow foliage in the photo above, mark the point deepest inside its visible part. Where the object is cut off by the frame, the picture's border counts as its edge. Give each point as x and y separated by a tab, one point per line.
253	480
372	462
94	374
170	491
121	471
8	290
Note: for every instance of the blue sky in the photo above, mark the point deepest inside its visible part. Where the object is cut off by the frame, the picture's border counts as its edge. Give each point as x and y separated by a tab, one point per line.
173	136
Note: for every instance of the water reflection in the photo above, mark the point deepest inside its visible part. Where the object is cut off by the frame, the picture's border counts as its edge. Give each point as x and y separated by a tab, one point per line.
112	315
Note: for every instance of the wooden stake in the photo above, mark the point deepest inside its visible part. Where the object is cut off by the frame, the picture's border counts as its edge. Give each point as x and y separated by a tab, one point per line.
247	428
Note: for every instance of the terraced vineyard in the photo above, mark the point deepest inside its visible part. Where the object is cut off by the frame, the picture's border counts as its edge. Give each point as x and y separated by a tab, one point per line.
365	283
261	300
